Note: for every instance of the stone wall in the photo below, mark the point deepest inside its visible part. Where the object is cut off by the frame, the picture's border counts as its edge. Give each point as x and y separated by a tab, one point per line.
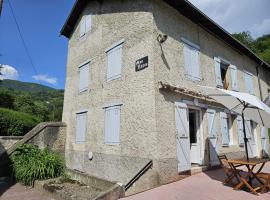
7	141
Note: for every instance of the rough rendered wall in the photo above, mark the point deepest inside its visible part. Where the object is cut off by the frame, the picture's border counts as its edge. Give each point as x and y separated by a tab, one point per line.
112	22
169	67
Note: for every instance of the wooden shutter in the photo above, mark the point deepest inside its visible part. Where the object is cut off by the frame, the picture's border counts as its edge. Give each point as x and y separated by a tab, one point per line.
114	63
83	77
88	23
112	125
212	132
192	63
240	130
218	72
249	83
224	129
81	127
182	136
248	129
82	26
234	80
265	143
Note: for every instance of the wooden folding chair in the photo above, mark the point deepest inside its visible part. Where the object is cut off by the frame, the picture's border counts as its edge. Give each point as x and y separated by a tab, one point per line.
265	177
229	170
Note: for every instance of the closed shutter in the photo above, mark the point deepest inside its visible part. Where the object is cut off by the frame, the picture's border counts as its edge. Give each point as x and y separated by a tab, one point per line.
240	130
112	125
81	127
82	26
182	136
83	77
248	129
265	143
234	78
114	63
88	23
249	83
224	129
218	72
192	63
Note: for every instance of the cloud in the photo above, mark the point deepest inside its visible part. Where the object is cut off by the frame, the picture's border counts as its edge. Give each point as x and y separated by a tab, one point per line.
9	72
237	16
45	78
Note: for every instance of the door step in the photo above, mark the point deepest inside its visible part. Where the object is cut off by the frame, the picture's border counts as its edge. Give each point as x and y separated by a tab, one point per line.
195	169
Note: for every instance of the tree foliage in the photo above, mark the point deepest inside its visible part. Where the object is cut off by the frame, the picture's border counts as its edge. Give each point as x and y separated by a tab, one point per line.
260	46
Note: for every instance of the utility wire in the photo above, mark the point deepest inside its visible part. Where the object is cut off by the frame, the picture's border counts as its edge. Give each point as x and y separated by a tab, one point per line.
23	41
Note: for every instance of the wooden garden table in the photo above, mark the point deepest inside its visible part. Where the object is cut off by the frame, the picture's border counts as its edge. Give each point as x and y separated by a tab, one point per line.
246	179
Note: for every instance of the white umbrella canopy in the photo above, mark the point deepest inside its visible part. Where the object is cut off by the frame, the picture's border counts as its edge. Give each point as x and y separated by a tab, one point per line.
239	102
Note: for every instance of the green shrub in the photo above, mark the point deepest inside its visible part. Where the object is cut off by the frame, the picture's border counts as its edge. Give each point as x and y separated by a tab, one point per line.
30	163
15	123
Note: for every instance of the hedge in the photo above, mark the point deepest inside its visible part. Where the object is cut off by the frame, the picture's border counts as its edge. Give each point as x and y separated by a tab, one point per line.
13	123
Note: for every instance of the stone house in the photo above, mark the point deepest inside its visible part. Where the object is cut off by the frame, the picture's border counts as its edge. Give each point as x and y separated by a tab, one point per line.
132	92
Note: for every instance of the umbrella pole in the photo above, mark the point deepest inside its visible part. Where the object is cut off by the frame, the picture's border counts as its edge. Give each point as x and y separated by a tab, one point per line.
245	135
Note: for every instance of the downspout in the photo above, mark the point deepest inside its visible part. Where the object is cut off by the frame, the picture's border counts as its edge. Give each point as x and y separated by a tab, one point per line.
259	81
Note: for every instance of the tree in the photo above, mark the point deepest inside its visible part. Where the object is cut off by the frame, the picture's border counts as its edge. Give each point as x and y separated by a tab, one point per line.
245	38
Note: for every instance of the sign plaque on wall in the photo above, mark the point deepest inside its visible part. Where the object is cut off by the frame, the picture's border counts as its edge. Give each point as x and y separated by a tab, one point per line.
141	64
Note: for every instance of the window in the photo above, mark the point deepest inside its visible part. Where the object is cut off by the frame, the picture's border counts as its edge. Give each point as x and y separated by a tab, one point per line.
81	126
191	58
112	125
225	126
249	82
85	25
221	69
83	77
114	61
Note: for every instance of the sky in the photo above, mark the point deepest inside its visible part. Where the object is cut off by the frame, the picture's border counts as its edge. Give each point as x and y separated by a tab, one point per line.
40	22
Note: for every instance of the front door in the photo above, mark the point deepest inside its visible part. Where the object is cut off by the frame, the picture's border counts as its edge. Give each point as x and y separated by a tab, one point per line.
194	135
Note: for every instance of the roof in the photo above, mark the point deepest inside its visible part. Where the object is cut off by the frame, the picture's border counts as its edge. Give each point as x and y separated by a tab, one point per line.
188	10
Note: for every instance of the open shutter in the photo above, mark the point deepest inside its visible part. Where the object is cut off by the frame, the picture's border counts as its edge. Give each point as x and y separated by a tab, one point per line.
249	82
234	77
182	136
265	143
81	127
112	125
240	130
82	26
88	23
224	129
212	133
196	64
84	76
218	72
248	129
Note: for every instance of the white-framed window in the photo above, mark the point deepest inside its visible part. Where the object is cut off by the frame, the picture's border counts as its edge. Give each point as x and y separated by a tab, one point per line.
85	24
81	122
112	125
192	60
84	77
225	125
221	72
249	82
114	61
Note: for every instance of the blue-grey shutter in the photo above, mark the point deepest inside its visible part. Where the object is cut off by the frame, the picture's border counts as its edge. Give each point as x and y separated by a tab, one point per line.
188	60
218	72
112	125
82	26
234	80
240	130
114	62
265	143
212	135
83	77
248	128
249	82
195	64
182	136
192	64
81	127
224	129
88	23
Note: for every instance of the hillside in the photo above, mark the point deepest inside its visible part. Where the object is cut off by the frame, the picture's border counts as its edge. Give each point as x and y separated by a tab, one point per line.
24	86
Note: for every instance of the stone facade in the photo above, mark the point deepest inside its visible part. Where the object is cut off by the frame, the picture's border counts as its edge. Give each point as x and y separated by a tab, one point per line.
147	129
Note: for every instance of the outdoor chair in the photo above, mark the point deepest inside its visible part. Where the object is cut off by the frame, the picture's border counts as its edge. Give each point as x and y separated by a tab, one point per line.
265	177
229	170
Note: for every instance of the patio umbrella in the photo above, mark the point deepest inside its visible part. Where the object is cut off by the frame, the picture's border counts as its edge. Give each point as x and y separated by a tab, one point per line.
242	103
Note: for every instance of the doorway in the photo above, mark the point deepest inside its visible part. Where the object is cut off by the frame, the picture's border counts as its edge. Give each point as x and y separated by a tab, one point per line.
194	135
